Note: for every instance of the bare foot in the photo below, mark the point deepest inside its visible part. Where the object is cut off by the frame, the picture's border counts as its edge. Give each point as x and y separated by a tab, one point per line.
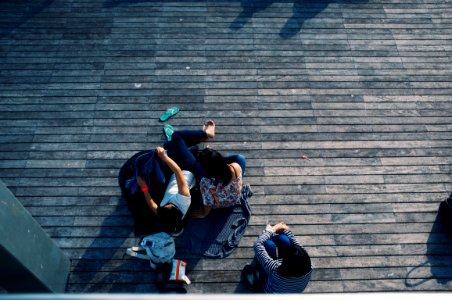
209	128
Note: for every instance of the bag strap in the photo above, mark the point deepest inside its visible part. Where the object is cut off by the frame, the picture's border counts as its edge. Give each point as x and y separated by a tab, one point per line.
134	253
185	278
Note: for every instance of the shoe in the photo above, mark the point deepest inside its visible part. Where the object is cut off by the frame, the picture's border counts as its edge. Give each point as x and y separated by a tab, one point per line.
248	277
168	131
169	113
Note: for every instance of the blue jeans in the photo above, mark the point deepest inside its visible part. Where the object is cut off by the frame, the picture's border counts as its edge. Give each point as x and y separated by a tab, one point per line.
237	158
178	150
277	245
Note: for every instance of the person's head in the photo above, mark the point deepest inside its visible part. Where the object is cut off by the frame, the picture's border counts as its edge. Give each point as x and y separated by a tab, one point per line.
295	262
215	166
169	214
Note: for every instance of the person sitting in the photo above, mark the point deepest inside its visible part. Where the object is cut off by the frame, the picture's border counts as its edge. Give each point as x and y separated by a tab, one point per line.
177	199
283	265
222	184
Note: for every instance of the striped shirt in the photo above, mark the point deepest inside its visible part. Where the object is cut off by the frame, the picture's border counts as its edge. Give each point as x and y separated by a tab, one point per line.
275	282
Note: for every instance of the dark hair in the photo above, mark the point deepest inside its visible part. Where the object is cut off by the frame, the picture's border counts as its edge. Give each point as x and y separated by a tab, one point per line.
215	166
295	262
169	215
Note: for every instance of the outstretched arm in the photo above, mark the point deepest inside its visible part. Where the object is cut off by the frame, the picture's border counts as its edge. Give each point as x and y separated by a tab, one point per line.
147	196
180	178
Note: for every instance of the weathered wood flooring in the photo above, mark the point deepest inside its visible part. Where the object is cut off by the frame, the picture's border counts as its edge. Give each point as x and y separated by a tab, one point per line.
363	88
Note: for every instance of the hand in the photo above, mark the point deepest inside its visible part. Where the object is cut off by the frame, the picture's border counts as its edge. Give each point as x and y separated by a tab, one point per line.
280	227
141	182
160	152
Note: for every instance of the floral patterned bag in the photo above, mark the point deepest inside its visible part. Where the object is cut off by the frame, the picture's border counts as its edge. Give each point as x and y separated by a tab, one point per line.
219	196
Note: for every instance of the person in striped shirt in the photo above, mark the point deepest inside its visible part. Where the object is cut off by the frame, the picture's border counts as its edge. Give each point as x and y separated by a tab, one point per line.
283	264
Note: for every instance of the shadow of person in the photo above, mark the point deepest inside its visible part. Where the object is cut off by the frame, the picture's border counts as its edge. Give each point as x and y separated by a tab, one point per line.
439	250
439	257
19	13
106	250
249	8
302	11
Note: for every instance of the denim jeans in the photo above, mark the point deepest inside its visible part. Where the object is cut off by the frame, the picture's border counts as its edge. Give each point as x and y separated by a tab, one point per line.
178	150
277	245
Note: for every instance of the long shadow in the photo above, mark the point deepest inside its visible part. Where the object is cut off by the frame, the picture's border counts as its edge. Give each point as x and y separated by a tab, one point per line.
20	13
302	10
439	251
249	8
439	256
92	267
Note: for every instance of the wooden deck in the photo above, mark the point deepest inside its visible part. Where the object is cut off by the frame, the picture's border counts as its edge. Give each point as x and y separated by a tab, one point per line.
363	88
